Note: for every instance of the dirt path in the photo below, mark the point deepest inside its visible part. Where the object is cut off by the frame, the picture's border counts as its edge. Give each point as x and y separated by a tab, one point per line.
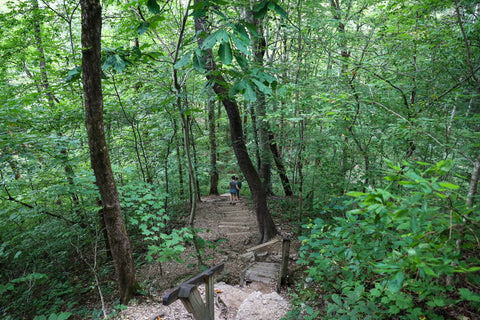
232	231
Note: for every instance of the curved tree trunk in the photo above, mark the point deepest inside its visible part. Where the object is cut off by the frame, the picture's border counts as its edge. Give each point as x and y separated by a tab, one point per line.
266	225
100	159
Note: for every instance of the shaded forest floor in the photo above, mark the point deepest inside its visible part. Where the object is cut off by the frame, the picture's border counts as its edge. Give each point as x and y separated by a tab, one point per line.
229	231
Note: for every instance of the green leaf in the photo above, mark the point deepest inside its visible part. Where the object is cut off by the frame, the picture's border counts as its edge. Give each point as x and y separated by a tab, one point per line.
114	61
282	13
222	36
153	6
448	185
249	94
142	28
210	41
242	32
444	166
395	284
241	44
73	74
237	87
198	61
183	61
262	87
242	62
225	53
356	194
469	295
261	9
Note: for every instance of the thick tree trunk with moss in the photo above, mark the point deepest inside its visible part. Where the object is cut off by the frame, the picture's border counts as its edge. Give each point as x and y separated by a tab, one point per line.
99	156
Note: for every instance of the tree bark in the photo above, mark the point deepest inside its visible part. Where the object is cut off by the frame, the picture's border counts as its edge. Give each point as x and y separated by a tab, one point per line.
265	222
282	172
212	140
99	156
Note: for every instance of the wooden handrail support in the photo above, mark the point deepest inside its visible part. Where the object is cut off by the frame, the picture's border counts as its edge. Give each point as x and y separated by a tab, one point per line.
282	275
188	293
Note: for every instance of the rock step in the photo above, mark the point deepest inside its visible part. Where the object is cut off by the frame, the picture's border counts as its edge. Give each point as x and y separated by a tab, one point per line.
235	223
235	227
238	218
238	211
234	234
262	272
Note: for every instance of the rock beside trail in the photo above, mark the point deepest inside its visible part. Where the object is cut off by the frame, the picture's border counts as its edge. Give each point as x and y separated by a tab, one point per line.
231	303
260	306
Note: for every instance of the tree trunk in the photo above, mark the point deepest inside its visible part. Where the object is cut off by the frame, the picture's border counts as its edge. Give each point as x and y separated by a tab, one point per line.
265	222
100	159
282	172
213	147
262	127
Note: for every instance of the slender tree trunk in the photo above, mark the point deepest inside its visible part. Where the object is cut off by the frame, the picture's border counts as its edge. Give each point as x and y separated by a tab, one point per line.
265	162
214	177
100	159
282	172
301	127
265	222
179	160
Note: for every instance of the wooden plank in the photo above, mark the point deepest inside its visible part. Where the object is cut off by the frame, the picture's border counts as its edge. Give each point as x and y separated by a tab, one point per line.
173	294
266	244
209	298
282	277
170	296
195	305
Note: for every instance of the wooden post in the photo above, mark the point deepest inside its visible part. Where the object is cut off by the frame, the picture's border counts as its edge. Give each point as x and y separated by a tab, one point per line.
192	300
282	276
188	293
209	297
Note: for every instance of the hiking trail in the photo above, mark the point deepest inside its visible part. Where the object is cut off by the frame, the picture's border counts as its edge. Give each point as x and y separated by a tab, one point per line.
247	287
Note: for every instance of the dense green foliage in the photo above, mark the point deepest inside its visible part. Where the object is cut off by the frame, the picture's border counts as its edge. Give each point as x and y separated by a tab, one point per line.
358	97
391	256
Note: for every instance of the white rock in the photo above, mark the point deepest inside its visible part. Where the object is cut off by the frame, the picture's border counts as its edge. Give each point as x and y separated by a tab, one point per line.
261	306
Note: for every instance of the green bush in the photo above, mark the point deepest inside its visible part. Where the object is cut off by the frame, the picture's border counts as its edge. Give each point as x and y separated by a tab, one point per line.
395	251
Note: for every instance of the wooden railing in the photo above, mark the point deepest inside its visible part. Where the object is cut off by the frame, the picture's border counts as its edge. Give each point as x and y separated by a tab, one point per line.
188	293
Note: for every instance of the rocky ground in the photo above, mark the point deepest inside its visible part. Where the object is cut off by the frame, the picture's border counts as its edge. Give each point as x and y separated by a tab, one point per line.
232	231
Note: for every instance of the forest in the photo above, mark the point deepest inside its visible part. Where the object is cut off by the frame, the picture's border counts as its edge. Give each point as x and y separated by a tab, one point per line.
360	118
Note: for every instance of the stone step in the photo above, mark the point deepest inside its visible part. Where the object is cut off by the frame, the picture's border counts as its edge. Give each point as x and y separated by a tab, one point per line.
238	211
236	222
238	218
262	272
234	227
236	234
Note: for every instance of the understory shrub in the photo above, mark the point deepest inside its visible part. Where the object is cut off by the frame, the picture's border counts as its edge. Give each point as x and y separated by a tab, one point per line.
406	251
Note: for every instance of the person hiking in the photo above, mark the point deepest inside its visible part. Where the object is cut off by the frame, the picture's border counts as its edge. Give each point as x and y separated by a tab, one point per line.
239	187
232	186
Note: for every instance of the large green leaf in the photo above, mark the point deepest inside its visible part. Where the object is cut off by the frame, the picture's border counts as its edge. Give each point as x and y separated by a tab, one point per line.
225	53
395	284
249	93
238	86
242	62
275	7
210	41
183	61
114	61
241	44
153	6
261	9
142	28
222	36
198	60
